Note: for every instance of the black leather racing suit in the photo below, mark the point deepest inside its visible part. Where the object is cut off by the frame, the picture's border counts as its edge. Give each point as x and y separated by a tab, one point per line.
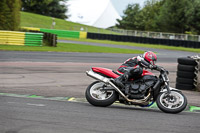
133	67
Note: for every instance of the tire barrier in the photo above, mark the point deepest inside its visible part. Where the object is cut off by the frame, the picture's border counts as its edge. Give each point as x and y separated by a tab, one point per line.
187	73
188	68
33	39
83	35
60	33
121	38
50	39
21	38
31	28
146	40
197	72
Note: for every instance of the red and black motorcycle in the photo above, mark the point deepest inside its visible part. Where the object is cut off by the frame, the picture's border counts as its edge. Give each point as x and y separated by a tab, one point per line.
143	91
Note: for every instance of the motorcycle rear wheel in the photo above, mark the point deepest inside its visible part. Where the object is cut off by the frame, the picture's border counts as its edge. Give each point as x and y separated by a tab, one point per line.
96	96
175	104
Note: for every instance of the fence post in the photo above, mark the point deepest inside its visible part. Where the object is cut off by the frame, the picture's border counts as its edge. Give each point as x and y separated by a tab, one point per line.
186	37
136	33
161	35
53	40
148	34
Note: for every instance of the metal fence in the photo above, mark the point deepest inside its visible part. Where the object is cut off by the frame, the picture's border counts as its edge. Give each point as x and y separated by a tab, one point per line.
160	35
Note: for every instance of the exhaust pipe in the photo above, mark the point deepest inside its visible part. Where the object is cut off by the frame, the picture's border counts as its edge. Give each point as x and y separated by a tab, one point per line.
97	76
105	80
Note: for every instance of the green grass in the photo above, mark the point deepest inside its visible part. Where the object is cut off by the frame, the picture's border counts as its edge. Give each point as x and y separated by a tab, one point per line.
68	47
156	46
40	21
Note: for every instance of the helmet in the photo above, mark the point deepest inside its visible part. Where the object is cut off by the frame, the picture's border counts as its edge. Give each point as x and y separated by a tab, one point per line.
150	57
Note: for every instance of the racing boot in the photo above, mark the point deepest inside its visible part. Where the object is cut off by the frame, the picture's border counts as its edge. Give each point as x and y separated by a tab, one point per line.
123	78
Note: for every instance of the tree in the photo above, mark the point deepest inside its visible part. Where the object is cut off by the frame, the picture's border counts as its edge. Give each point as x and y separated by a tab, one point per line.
172	16
149	15
163	16
53	8
10	14
136	18
193	16
129	18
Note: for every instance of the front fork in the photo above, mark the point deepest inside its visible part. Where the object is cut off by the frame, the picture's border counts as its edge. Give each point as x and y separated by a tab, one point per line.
168	91
168	88
166	82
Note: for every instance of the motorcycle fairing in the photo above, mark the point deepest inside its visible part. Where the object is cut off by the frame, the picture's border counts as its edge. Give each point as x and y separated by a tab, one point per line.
110	73
105	71
145	72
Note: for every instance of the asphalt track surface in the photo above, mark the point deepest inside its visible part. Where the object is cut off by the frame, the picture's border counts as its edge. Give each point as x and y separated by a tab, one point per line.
22	115
167	56
54	74
163	55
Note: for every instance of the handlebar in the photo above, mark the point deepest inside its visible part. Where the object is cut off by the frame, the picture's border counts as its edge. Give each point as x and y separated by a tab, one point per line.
160	69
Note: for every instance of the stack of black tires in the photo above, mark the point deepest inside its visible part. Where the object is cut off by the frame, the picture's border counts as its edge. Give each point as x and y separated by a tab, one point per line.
186	73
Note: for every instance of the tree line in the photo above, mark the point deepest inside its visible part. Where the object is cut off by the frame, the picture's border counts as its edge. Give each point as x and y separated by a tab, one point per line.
53	8
10	11
9	14
177	16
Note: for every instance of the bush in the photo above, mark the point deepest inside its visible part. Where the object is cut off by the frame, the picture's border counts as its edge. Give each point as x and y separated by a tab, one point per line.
10	14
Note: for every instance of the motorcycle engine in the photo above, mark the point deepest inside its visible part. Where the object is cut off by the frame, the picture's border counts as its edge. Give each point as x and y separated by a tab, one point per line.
138	89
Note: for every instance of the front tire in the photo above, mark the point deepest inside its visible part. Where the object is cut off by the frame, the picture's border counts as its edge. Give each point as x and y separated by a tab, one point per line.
96	96
175	104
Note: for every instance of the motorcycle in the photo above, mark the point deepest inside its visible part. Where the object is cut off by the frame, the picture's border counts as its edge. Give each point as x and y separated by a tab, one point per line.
143	91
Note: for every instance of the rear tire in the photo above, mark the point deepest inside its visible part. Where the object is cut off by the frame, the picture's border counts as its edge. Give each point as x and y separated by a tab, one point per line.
176	104
98	97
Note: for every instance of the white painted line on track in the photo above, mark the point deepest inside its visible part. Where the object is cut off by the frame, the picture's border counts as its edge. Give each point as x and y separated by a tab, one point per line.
39	105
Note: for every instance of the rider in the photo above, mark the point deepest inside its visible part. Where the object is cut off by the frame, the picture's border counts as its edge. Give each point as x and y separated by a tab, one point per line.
133	67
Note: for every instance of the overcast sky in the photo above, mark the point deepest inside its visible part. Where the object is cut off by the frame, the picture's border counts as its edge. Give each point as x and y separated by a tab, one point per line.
121	5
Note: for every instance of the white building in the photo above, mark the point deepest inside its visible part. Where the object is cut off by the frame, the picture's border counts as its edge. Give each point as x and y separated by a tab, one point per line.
97	13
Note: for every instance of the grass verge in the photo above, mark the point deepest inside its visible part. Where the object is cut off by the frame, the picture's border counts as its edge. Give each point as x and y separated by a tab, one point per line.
68	47
156	46
41	21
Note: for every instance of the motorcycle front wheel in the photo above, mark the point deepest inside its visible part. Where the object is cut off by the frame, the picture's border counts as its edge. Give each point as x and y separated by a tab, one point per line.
175	102
97	96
